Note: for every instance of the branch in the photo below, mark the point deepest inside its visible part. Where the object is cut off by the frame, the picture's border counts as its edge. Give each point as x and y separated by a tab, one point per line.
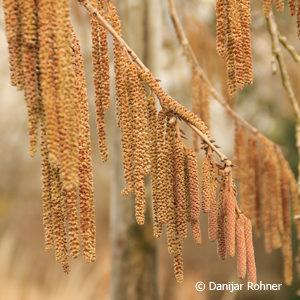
276	49
290	48
188	51
165	100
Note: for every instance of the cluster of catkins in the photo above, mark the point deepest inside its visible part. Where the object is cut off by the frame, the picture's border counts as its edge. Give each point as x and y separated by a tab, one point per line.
152	143
266	184
293	5
45	62
234	43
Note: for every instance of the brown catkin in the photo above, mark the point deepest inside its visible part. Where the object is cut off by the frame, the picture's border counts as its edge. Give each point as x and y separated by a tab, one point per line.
47	181
104	63
292	6
280	5
251	266
235	23
86	193
221	16
275	198
267	5
171	216
245	17
197	94
31	96
206	185
241	257
162	178
178	267
266	199
179	187
252	160
48	90
229	202
101	72
193	193
221	220
61	251
287	251
14	38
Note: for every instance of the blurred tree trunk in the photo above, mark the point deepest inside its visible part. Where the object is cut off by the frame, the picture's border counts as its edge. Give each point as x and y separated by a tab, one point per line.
134	272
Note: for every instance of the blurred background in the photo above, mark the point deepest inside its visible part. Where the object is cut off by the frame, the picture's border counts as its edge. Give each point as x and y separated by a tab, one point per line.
27	272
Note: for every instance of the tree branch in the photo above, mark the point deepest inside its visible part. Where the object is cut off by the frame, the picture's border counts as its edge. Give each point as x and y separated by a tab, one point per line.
167	101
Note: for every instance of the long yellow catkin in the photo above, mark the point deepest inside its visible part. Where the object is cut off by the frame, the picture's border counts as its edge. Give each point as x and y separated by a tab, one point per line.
229	201
251	266
193	193
179	187
241	257
30	64
66	106
245	30
161	184
86	192
252	182
172	234
221	243
101	72
48	91
286	236
14	39
292	6
46	192
265	199
206	185
221	17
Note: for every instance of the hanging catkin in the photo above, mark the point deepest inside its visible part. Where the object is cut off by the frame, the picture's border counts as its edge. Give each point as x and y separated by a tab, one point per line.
221	220
266	200
241	257
229	202
193	193
251	267
14	38
101	75
233	42
86	191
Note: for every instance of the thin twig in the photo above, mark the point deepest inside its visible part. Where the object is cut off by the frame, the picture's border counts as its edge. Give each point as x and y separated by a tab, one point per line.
290	48
94	12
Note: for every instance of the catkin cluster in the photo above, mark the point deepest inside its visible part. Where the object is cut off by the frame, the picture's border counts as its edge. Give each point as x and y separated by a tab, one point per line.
45	61
234	43
226	223
267	189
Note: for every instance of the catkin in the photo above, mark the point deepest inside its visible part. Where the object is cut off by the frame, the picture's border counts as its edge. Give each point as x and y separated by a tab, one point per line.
193	193
46	193
292	6
266	200
101	75
229	202
179	187
251	266
221	220
86	193
233	42
241	257
206	185
14	38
